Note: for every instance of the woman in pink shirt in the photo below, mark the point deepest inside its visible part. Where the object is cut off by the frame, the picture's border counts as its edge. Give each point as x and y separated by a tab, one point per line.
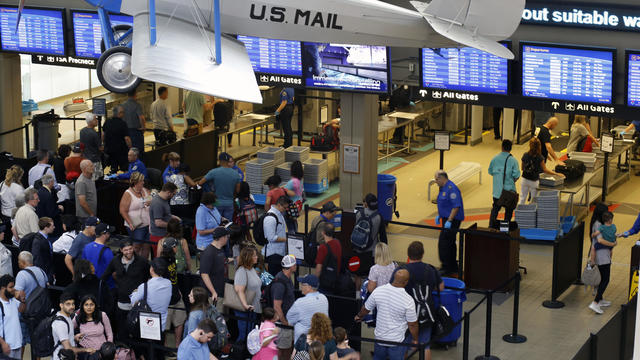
92	324
268	334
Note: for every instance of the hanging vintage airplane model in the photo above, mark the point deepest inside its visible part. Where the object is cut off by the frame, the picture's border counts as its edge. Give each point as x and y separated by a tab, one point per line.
181	42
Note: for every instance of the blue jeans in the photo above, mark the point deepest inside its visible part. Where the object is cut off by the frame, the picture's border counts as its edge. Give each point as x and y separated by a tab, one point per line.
244	327
381	352
139	235
137	140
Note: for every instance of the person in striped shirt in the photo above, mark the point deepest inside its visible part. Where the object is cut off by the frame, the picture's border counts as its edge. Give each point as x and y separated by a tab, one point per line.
396	313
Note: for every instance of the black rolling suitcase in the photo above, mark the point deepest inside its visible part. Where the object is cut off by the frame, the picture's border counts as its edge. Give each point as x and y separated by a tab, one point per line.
572	169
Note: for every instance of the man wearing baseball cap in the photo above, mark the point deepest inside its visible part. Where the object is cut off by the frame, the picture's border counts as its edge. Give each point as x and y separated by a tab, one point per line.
300	314
223	180
98	253
213	262
87	235
283	298
327	213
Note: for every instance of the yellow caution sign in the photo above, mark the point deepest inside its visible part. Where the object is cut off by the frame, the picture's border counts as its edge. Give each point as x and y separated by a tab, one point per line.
634	285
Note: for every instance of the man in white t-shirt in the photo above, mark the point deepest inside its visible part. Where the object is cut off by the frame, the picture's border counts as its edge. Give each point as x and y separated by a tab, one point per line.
10	307
62	328
396	313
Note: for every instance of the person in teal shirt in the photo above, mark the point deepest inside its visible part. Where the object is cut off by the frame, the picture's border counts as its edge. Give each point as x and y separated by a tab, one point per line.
505	171
223	181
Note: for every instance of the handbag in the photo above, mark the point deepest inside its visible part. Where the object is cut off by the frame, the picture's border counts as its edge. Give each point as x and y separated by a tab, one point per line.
508	198
231	298
591	275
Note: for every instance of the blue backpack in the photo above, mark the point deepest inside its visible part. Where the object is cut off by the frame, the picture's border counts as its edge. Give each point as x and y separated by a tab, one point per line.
361	237
370	318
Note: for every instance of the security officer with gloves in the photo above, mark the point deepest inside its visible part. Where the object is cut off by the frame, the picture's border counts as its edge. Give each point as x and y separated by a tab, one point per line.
451	212
135	165
284	113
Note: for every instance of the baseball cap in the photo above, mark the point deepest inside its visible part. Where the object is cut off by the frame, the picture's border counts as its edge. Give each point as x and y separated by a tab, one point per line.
219	232
310	280
224	157
103	228
91	221
288	261
169	243
329	206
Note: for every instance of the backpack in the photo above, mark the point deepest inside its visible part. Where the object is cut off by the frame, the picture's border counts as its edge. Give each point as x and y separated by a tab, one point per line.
529	167
266	300
370	318
311	245
221	339
582	143
42	344
572	169
38	305
425	306
26	242
329	275
254	344
247	214
6	265
258	228
361	237
38	183
133	317
327	141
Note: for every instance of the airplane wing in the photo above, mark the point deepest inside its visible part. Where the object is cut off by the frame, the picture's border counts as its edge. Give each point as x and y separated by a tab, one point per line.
182	58
475	23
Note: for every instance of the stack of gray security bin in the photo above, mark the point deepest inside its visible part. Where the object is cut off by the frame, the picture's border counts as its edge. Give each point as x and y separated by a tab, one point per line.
257	172
548	209
526	216
296	153
284	171
272	153
315	170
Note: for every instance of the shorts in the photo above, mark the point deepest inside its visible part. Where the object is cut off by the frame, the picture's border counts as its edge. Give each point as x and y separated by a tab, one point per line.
424	337
176	317
285	339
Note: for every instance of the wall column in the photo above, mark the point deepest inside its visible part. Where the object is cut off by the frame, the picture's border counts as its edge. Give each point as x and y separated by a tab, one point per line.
359	126
508	123
477	120
11	104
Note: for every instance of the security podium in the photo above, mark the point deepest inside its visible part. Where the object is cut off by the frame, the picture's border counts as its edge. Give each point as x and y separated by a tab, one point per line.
490	258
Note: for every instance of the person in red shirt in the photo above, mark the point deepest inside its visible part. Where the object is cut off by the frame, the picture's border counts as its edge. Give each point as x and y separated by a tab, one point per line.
329	279
275	191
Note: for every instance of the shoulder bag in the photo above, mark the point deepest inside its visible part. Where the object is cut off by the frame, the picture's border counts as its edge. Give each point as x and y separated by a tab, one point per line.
508	199
231	298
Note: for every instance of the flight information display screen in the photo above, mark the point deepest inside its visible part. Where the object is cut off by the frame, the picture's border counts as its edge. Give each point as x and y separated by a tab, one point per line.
633	79
269	56
87	32
567	73
41	31
359	68
464	69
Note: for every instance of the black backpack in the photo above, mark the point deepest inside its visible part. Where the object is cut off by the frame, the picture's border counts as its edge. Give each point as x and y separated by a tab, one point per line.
572	169
311	245
42	343
38	305
258	229
330	271
529	167
422	297
26	242
133	317
267	297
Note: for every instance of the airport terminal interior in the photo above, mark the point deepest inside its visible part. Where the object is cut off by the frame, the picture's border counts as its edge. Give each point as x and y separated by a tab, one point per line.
362	119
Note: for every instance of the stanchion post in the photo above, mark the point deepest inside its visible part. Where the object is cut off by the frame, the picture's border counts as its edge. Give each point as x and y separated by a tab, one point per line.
306	218
554	303
514	337
151	354
460	253
465	339
421	351
487	339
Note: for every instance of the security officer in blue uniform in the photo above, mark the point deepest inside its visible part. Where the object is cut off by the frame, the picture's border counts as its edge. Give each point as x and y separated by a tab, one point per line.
284	113
451	212
135	165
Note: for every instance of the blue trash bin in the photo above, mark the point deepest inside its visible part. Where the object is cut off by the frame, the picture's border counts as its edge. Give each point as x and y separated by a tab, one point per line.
386	192
452	300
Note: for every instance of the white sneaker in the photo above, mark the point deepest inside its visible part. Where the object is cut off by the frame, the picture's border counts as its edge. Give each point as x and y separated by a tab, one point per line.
596	308
604	303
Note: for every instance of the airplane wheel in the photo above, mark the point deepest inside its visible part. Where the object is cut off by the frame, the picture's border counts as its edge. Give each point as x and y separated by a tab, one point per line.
118	31
114	70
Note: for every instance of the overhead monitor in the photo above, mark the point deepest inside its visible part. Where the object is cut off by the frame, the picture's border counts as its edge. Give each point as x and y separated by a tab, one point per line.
464	69
565	72
269	56
87	31
41	30
358	68
633	78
